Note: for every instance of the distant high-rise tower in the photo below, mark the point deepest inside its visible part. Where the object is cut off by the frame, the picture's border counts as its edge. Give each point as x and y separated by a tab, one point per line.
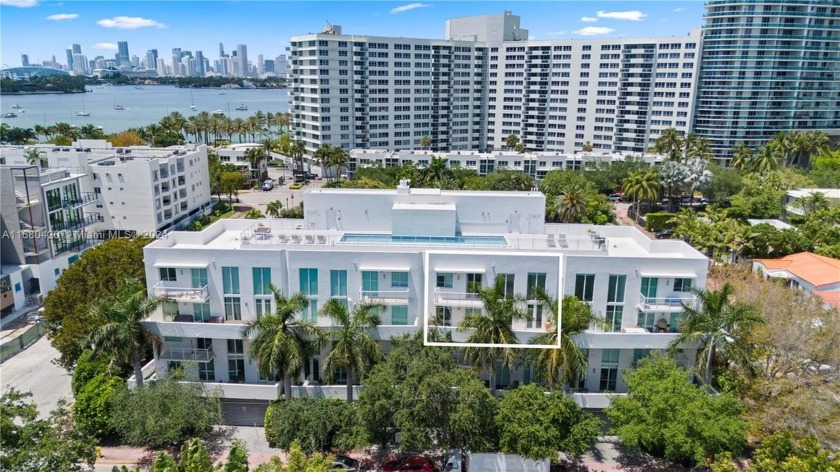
176	60
151	59
242	54
122	54
260	65
24	60
199	64
69	59
765	68
221	50
77	49
160	66
80	65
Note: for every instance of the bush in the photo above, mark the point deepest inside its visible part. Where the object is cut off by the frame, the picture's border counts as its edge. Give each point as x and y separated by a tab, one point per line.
88	366
667	416
319	424
92	411
659	220
164	412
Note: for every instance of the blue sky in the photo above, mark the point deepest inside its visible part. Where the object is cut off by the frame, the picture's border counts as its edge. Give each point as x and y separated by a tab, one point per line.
45	28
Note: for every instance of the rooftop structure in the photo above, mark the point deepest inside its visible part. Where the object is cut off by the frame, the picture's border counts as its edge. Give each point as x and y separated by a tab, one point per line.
420	252
793	196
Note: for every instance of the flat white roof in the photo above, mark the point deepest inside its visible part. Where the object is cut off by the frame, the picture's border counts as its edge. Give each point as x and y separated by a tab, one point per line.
425	206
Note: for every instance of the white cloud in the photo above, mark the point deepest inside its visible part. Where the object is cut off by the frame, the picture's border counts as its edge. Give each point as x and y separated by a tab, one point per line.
631	15
594	30
63	16
129	22
556	33
588	19
410	6
106	46
678	9
19	3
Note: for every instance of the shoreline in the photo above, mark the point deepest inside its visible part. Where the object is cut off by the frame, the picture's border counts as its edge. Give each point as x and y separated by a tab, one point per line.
43	92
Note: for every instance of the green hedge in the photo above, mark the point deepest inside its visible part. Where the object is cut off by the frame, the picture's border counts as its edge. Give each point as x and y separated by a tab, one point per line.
659	221
320	424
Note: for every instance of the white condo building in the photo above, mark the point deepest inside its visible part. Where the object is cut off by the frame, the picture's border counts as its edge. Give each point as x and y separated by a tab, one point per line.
418	252
487	81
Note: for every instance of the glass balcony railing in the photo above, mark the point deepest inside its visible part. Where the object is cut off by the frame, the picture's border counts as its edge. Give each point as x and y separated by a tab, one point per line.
84	198
87	220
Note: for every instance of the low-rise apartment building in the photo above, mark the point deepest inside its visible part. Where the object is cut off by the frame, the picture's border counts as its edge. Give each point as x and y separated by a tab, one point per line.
420	252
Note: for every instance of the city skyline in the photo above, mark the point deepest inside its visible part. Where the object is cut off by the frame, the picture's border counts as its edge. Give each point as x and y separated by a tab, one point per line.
40	30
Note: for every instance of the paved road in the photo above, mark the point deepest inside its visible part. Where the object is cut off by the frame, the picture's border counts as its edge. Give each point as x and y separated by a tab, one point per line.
32	371
289	198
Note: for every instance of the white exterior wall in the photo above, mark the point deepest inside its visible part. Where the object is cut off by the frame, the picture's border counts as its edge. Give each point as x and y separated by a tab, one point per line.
235	243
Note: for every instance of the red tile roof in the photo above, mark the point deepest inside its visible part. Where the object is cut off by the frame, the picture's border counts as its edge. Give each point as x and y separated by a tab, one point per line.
830	298
815	269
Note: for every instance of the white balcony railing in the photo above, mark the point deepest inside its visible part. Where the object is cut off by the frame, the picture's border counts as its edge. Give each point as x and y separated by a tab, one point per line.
181	294
669	304
443	297
187	354
383	296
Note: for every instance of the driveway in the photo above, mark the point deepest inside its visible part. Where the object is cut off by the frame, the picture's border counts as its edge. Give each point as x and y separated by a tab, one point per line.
288	198
32	370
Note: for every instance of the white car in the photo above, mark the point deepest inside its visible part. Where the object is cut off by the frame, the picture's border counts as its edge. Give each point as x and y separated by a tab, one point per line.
268	185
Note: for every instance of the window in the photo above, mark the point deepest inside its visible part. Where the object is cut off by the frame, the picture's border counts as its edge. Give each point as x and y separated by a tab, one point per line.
609	369
309	281
262	279
199	278
167	274
312	370
443	316
474	282
613	317
646	320
639	354
230	280
536	312
262	306
207	371
236	361
682	285
584	287
444	280
338	283
399	315
170	310
536	280
399	279
616	289
201	312
507	284
649	285
370	282
233	310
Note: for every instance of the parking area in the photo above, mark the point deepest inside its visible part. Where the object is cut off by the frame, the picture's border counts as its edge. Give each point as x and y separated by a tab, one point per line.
32	370
290	198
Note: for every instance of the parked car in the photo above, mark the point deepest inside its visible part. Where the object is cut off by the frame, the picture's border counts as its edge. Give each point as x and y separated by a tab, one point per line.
616	197
420	463
664	234
268	185
311	176
344	463
296	185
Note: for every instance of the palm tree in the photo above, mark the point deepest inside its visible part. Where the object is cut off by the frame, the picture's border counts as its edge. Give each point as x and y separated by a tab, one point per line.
297	149
642	187
35	157
571	204
273	208
323	157
435	173
785	146
254	157
765	159
122	332
493	325
520	148
282	342
811	143
353	347
670	142
567	363
425	142
697	147
512	141
587	147
719	326
813	202
741	156
339	159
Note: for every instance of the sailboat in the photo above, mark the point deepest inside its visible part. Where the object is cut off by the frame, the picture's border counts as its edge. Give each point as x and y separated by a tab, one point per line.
84	112
192	99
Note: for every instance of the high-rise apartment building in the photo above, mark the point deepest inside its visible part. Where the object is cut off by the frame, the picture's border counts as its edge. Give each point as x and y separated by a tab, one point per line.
487	81
260	65
80	64
151	59
69	53
242	54
198	68
123	59
77	49
176	61
24	60
767	67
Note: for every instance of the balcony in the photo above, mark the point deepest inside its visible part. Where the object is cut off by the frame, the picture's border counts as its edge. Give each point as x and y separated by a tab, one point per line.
187	354
384	296
86	220
85	198
181	294
668	304
462	299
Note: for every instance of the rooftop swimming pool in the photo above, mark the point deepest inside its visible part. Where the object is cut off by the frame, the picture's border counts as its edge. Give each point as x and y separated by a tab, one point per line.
388	239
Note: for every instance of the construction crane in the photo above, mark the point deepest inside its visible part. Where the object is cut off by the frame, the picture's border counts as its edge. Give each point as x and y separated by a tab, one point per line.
329	29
